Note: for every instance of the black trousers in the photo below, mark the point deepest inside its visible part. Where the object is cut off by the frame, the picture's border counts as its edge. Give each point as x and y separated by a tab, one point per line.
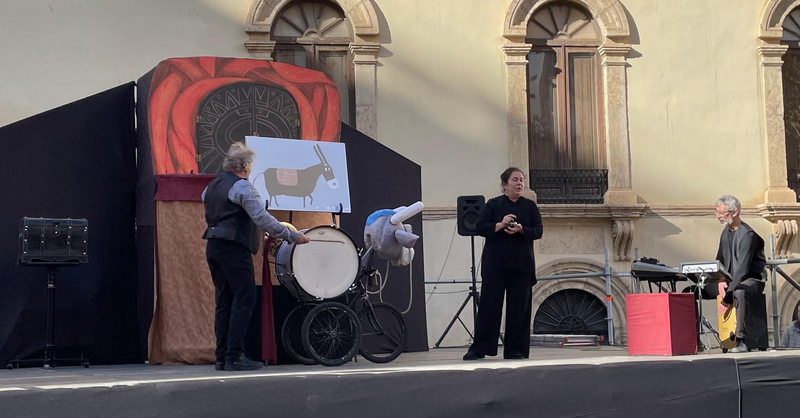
231	268
516	287
743	296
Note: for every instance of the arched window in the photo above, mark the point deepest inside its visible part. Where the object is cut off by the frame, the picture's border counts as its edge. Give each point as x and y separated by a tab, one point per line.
564	94
791	97
317	35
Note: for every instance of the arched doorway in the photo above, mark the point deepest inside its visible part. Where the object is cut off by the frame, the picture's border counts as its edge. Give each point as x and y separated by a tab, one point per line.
571	312
237	110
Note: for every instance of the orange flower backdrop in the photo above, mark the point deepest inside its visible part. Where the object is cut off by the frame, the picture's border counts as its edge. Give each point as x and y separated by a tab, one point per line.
197	106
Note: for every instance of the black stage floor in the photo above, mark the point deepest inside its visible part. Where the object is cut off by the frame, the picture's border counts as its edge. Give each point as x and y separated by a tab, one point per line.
555	382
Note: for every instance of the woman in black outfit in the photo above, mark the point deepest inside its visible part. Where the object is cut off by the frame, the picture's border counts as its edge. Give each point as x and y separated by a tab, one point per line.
510	224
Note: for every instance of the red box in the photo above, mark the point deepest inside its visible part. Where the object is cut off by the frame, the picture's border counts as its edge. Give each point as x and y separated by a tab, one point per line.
661	324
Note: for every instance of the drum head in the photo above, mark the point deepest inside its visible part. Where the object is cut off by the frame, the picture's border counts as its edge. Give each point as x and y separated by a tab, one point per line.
327	265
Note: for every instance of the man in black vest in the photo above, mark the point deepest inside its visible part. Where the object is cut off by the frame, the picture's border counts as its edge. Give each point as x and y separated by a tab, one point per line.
741	251
234	214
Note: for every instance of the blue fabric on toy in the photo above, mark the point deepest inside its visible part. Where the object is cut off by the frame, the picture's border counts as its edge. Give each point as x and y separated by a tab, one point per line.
372	218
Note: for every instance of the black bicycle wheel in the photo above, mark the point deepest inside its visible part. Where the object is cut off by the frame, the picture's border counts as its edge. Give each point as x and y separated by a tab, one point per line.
383	333
291	335
331	334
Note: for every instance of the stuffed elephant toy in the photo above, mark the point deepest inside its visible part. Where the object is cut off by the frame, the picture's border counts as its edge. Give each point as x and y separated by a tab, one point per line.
389	238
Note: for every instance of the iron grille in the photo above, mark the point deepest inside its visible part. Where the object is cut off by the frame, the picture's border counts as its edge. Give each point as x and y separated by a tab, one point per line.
585	186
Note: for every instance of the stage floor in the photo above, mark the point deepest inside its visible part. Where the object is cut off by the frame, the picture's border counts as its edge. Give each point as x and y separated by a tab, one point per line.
554	382
72	377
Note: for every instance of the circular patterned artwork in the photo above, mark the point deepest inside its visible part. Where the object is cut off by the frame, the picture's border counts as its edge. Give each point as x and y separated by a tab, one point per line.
237	110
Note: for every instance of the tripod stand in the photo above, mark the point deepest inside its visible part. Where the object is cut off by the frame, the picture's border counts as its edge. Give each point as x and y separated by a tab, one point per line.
473	294
703	326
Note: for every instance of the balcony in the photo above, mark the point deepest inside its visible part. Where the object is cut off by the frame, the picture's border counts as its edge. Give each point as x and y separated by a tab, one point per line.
579	186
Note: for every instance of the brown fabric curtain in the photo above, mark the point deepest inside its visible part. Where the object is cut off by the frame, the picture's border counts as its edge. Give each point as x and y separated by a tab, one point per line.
183	322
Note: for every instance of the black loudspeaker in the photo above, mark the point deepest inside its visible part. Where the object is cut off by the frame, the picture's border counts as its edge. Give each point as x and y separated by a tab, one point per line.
468	208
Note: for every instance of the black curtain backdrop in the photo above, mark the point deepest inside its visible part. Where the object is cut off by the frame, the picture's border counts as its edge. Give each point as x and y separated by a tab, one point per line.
145	213
75	161
383	179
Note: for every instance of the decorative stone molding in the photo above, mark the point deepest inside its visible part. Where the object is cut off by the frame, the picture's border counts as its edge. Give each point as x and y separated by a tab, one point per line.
365	53
784	219
785	231
770	82
615	54
516	72
260	49
695	211
622	232
365	60
609	13
516	53
773	131
770	28
615	106
610	212
769	212
360	13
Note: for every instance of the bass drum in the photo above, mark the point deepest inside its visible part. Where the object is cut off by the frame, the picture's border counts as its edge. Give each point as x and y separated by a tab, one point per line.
324	268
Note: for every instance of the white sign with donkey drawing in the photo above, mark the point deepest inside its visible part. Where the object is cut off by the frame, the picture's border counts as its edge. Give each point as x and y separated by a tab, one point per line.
299	175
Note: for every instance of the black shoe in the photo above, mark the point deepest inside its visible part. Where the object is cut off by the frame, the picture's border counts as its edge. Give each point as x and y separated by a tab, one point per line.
242	363
513	356
741	347
471	355
219	365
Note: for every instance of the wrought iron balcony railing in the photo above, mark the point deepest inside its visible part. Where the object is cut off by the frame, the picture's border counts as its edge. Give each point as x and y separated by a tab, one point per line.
569	186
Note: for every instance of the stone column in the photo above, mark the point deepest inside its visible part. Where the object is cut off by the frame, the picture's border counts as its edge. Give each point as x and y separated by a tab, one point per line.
773	132
260	49
516	57
365	60
615	106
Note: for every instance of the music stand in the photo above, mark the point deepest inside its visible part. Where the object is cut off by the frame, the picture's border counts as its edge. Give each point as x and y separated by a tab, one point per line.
703	326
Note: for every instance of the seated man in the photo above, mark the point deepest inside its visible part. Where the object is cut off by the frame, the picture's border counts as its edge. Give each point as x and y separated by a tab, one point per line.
791	336
741	251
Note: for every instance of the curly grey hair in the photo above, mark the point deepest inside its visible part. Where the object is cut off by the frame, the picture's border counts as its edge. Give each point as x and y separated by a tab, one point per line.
731	202
238	158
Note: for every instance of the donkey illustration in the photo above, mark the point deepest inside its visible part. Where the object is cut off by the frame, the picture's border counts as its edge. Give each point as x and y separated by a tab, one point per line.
298	182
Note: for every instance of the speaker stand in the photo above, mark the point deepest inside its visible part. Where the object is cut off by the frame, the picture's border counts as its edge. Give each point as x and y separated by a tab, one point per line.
473	295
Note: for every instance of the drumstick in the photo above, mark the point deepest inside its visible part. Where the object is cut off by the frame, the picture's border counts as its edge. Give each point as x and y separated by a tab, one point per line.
326	240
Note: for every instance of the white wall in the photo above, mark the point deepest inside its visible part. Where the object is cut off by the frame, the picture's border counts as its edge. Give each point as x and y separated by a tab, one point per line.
59	51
